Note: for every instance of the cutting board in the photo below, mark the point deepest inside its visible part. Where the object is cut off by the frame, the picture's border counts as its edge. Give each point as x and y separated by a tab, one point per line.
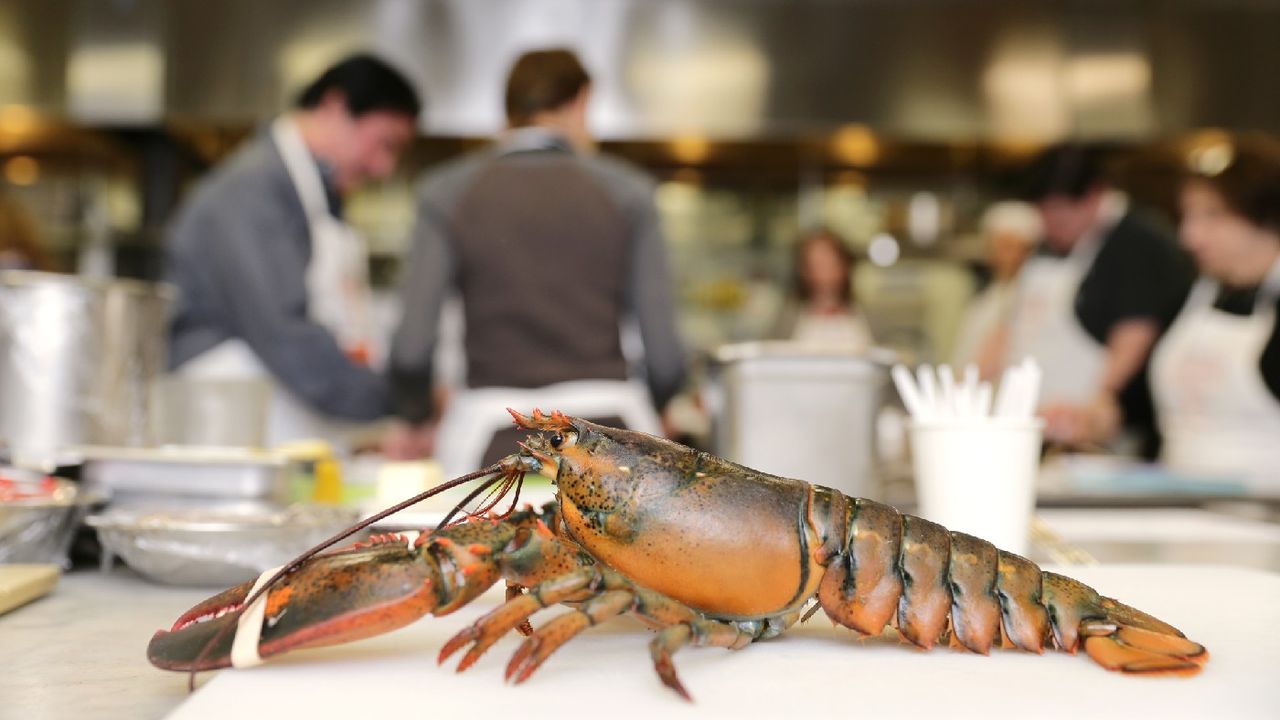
20	584
814	671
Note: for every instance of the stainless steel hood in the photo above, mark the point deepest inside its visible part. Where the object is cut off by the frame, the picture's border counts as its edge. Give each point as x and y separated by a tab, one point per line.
919	69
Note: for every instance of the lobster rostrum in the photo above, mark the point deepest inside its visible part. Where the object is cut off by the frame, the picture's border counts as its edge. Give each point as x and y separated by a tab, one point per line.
705	551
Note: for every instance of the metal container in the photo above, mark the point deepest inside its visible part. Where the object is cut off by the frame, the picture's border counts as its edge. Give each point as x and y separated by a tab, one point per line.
77	358
40	529
215	548
800	411
195	476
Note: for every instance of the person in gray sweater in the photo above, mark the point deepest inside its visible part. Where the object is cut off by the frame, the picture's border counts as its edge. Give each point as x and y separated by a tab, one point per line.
243	243
550	246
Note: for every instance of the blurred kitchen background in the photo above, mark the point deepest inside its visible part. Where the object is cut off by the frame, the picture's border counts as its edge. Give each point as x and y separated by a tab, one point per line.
895	123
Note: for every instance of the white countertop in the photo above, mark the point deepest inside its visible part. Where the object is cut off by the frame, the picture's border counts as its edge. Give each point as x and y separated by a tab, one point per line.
82	653
1166	535
812	672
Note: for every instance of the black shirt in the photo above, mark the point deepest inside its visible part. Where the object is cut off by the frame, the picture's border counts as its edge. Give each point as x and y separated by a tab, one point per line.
1139	273
1241	302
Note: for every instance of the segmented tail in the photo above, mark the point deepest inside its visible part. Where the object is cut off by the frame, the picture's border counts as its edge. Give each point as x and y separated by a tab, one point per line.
940	586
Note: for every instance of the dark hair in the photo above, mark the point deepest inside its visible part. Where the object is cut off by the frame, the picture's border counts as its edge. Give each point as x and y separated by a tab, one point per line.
543	80
824	235
1250	182
1069	169
367	85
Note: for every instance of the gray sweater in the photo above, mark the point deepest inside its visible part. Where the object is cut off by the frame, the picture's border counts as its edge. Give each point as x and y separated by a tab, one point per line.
549	250
238	253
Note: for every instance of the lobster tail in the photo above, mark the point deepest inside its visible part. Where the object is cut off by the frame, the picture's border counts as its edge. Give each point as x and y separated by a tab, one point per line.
1116	636
949	586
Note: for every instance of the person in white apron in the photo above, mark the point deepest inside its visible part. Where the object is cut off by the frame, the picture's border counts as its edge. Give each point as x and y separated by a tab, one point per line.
1091	307
552	248
275	284
1216	373
1011	230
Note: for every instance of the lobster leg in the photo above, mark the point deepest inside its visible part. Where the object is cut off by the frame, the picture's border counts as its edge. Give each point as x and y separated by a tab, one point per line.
603	594
546	640
514	613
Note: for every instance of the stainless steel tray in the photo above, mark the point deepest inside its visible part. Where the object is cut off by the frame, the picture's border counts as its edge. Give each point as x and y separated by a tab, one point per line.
216	547
202	472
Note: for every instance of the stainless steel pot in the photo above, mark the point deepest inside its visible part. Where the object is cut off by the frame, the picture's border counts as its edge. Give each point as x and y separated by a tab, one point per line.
800	411
77	358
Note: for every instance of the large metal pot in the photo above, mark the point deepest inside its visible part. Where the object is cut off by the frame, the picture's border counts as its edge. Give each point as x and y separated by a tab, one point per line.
800	411
77	358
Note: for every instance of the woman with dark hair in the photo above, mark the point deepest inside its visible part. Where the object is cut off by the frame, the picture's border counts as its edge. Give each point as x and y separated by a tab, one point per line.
1216	372
825	313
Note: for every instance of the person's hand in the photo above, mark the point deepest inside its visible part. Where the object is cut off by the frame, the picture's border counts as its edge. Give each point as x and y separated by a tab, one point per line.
1089	425
409	442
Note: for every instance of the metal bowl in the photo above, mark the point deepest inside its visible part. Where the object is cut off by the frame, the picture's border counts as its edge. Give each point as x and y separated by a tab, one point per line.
40	529
215	547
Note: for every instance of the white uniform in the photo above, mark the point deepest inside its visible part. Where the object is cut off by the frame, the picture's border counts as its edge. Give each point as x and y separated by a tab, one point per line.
338	298
1045	326
988	312
1217	415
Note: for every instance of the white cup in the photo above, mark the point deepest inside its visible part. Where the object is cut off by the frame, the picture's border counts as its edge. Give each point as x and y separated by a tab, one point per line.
978	476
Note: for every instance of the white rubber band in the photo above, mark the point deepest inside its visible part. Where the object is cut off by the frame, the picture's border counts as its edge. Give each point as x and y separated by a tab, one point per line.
244	648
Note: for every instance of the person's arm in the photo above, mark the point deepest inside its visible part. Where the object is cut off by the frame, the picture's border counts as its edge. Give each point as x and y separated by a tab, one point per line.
1128	346
260	282
650	298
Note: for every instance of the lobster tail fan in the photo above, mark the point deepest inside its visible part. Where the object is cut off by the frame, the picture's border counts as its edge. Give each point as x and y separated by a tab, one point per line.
1131	641
1115	635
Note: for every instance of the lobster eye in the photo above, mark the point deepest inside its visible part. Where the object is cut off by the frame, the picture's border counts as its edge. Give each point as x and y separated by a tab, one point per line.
562	440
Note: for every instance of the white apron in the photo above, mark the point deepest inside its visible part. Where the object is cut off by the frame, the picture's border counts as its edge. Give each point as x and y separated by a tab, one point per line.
1217	415
475	414
988	312
1044	326
338	298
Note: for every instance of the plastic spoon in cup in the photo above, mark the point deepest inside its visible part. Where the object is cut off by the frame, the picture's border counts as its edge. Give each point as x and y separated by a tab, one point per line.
907	391
1007	394
982	402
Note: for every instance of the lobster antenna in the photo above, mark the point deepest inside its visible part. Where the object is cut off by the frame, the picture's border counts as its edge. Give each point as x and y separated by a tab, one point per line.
488	484
293	564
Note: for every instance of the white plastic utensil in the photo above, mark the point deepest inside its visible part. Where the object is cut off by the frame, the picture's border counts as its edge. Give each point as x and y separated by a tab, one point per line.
937	393
929	389
982	403
907	390
947	397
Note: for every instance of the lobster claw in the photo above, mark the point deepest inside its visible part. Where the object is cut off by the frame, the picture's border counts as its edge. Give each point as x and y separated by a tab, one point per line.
333	598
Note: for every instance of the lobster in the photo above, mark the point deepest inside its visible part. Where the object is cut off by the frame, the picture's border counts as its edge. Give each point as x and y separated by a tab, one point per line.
705	551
